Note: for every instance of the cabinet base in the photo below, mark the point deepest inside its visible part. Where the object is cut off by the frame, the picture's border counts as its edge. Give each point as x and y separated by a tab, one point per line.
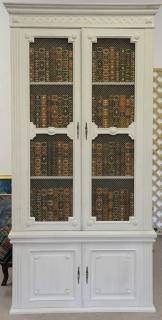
80	310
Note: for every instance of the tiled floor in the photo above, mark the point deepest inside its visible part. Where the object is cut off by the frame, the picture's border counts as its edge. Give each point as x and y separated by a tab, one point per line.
5	301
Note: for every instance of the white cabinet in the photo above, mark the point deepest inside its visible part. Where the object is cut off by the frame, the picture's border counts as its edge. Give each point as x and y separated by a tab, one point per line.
82	142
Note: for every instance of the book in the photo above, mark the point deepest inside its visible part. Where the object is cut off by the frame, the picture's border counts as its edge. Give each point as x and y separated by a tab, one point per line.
31	67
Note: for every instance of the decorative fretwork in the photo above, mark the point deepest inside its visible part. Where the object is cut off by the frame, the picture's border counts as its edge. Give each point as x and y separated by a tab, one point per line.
157	150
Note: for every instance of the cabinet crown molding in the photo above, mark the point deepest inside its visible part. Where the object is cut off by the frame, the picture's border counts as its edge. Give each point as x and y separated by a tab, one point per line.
79	7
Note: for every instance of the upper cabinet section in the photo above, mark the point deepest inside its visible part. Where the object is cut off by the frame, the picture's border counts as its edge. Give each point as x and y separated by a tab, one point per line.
81	14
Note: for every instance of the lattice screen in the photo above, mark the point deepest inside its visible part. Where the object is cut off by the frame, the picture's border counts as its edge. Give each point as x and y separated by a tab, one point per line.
157	150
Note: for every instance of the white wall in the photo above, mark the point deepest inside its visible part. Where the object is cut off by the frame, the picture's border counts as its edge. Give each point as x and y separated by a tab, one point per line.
5	103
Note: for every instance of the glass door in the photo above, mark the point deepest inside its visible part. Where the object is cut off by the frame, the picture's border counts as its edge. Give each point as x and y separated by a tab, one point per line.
110	130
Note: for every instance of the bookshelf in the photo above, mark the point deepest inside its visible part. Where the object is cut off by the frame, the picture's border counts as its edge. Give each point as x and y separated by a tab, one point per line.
82	116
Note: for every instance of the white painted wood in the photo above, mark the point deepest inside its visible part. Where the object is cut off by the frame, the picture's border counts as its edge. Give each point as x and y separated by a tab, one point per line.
90	36
116	255
117	274
49	276
24	133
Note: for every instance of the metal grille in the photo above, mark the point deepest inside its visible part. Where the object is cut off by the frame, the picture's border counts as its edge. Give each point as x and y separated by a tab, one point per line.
112	199
157	150
51	155
113	106
51	200
113	60
51	106
51	59
112	156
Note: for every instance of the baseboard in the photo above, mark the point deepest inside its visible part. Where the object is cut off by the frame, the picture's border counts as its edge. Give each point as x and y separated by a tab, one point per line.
80	310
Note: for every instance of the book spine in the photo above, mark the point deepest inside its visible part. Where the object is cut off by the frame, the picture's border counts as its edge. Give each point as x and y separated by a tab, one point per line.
122	64
112	64
31	54
99	204
94	66
65	57
59	63
93	159
105	113
32	158
128	159
99	155
117	65
52	63
116	111
42	65
43	111
127	64
116	205
132	65
37	159
32	108
44	209
44	159
47	65
105	204
50	204
67	204
99	64
122	107
36	65
70	67
37	111
106	63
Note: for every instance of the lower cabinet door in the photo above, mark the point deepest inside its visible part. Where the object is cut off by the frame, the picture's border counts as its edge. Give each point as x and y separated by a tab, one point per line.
55	276
113	275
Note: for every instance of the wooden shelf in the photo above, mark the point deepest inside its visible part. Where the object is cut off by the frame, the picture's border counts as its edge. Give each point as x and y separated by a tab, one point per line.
51	83
113	177
50	177
113	83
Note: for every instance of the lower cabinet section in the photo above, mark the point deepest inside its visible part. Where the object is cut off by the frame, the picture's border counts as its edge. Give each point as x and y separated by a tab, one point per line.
105	275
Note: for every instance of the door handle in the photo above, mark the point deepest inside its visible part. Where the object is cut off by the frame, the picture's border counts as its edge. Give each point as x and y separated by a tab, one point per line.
87	275
78	275
86	130
77	130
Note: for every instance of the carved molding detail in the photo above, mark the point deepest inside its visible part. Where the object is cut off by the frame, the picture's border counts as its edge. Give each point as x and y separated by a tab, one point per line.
70	130
91	221
29	37
92	38
30	221
135	38
82	20
72	38
73	221
32	129
131	129
133	221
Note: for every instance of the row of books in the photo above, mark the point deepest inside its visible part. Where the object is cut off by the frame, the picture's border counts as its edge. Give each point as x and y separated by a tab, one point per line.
116	205
113	159
51	158
113	111
54	64
51	204
113	64
51	110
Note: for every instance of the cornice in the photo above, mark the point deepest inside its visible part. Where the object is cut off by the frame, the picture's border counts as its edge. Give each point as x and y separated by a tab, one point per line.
38	7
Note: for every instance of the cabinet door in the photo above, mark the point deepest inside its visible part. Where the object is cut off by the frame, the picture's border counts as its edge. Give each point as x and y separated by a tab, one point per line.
48	112
113	80
113	274
54	273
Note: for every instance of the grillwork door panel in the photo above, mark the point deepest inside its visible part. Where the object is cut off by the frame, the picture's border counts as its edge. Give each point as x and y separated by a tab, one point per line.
53	148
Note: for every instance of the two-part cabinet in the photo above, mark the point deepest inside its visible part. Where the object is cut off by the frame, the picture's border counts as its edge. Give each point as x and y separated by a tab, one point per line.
81	110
